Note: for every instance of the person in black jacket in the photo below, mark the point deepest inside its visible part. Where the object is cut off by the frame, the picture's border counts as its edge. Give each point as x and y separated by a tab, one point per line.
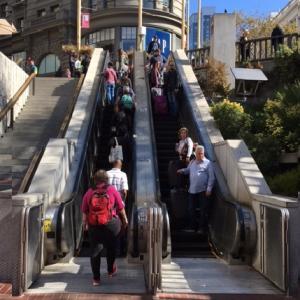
153	45
277	37
171	87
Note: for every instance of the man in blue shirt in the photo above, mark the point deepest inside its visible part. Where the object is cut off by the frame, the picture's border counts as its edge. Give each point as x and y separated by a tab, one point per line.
202	179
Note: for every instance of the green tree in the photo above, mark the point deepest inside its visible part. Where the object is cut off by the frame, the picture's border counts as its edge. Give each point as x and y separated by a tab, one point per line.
287	65
231	119
283	117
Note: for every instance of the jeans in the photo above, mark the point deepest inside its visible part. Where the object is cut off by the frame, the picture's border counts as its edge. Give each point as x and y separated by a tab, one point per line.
110	93
197	203
107	235
172	103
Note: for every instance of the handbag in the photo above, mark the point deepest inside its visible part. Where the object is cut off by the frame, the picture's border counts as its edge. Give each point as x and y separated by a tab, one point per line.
116	152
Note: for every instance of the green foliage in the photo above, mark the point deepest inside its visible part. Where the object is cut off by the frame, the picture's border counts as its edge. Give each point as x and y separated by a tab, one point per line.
287	184
283	117
265	151
231	119
287	65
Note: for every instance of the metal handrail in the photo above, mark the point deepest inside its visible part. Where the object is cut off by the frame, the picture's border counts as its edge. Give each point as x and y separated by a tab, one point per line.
10	105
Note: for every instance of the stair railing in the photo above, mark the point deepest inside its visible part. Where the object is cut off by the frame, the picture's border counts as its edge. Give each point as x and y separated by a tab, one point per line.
9	107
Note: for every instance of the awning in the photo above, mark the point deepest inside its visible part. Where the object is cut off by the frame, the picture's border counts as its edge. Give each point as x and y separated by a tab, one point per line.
6	28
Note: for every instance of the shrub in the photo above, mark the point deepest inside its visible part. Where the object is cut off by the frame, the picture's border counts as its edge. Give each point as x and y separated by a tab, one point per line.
265	150
287	65
231	119
287	184
214	81
283	117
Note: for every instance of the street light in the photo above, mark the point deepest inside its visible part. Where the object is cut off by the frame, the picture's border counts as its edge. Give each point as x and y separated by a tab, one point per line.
199	25
183	25
139	46
78	25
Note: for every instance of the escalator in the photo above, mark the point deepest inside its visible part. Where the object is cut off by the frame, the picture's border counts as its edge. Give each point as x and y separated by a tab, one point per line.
185	242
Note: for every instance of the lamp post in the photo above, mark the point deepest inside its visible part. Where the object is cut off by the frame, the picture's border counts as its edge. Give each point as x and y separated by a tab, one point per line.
78	25
183	26
187	25
139	46
199	25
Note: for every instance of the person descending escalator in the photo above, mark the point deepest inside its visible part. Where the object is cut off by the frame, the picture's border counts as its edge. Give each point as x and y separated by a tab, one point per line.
171	87
184	149
201	177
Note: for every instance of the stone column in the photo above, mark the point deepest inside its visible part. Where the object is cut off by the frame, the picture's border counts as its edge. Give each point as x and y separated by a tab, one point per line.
222	43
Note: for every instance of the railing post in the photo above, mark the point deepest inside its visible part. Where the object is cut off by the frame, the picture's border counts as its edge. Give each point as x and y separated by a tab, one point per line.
12	118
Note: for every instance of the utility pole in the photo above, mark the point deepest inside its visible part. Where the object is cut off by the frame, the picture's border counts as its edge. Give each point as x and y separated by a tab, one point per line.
183	26
188	25
78	25
199	25
139	45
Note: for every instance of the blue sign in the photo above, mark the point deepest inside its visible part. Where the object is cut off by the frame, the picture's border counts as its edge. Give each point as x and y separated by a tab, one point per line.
164	39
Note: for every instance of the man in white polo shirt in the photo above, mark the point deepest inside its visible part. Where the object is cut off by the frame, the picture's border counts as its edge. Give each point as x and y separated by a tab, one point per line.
118	179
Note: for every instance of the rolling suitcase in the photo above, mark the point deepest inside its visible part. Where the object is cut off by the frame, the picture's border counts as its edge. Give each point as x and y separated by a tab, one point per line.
160	105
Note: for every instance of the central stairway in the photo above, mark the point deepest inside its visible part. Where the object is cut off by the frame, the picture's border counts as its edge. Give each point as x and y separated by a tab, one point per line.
40	120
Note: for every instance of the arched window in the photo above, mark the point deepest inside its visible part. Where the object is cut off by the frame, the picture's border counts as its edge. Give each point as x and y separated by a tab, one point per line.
49	64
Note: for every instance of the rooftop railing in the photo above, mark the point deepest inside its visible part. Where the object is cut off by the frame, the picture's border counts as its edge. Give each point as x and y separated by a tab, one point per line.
198	57
264	48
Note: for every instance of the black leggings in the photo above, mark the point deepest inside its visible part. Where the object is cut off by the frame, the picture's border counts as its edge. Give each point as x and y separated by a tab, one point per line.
106	235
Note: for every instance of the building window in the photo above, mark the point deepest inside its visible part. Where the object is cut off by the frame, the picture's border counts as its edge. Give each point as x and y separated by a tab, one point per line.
3	10
20	24
106	34
128	38
54	8
49	64
41	13
19	58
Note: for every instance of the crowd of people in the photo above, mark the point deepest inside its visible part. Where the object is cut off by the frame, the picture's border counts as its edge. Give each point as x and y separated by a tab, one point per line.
103	206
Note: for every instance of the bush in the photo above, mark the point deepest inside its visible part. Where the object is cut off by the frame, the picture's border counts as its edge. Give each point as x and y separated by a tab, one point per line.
231	119
283	117
265	150
214	81
287	184
287	65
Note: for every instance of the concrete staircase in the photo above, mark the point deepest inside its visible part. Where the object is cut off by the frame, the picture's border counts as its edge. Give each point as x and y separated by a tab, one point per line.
39	121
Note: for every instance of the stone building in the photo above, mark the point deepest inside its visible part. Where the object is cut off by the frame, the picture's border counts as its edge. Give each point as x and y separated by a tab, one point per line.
289	13
45	25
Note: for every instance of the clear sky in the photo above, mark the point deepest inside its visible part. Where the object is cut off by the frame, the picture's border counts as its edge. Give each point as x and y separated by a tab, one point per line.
248	7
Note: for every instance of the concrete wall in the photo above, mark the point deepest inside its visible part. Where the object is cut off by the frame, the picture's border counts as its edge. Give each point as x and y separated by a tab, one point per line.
11	79
223	38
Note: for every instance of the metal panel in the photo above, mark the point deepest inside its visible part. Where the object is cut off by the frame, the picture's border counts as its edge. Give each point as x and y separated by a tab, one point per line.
67	230
248	74
274	244
33	244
